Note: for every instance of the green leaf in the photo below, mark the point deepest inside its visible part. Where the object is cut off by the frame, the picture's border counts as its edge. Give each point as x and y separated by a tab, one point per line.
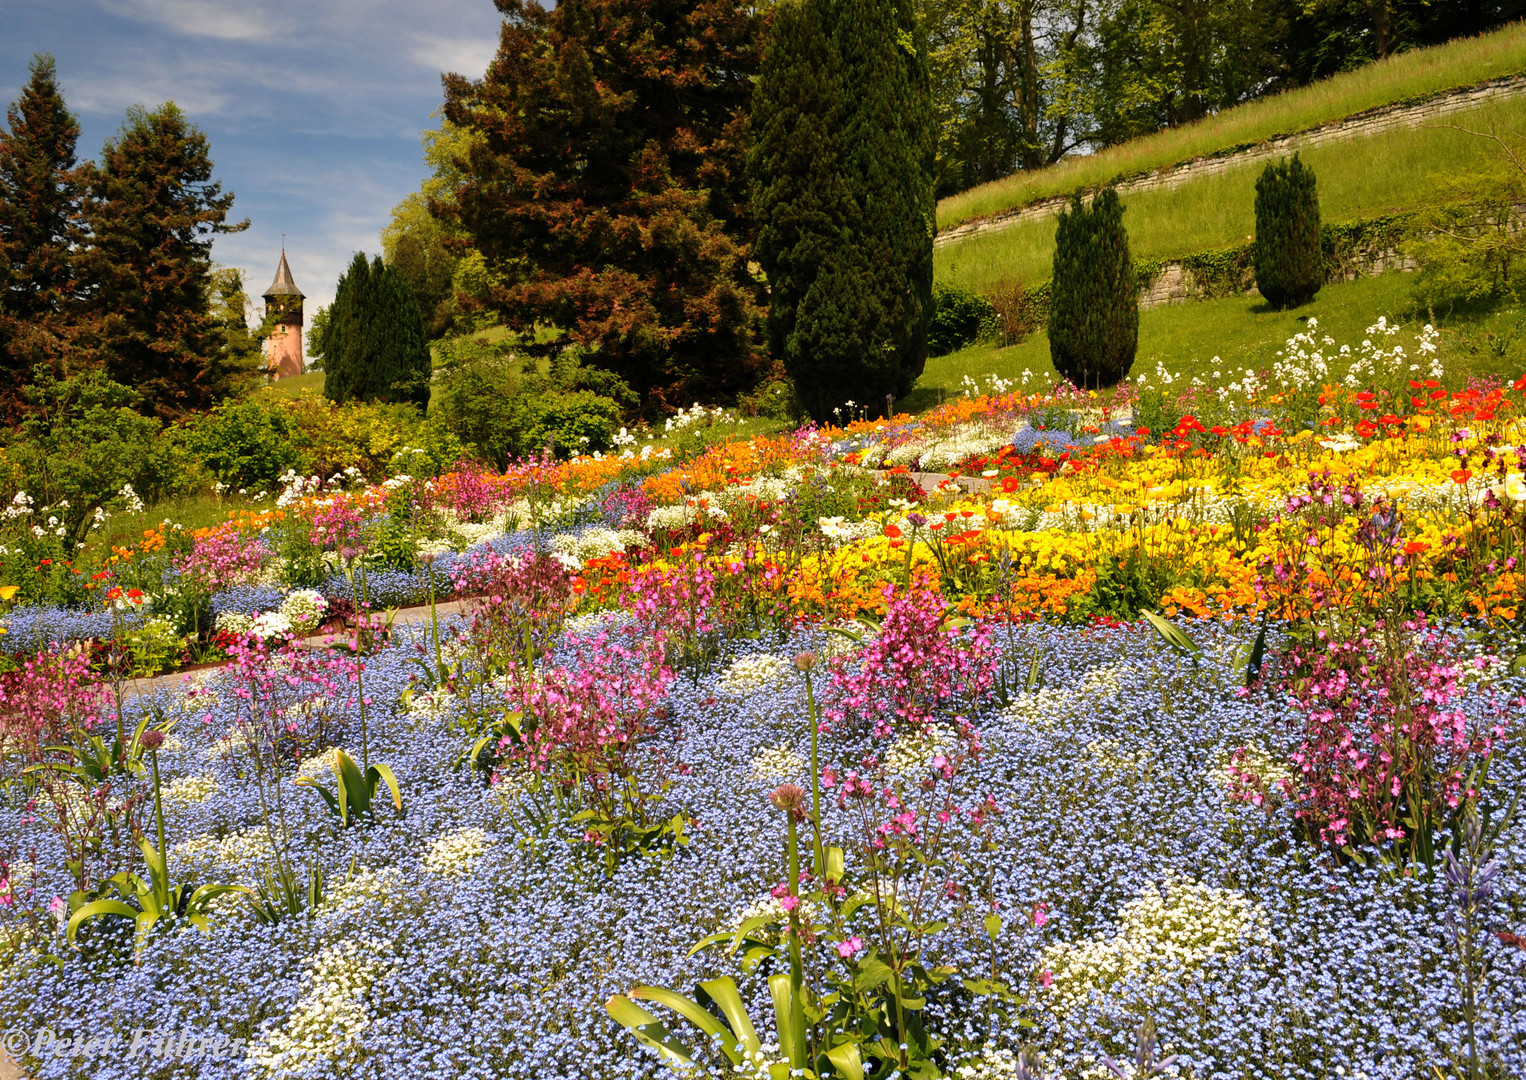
993	925
98	908
846	1060
1257	655
872	971
724	993
646	1027
1172	635
693	1012
385	773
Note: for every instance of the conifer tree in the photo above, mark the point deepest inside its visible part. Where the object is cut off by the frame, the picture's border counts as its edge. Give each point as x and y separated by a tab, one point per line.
1289	262
603	178
153	209
842	172
1094	297
373	345
39	226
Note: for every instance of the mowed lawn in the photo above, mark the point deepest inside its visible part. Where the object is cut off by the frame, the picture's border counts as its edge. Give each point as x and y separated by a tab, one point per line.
1204	336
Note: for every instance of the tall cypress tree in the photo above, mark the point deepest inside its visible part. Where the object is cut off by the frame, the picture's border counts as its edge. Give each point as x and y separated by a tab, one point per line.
39	225
1289	262
153	209
1094	296
373	344
842	172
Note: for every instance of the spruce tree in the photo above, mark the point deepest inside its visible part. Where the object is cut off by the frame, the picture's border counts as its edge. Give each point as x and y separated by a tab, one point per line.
153	210
373	345
602	179
39	226
1094	297
1289	263
842	173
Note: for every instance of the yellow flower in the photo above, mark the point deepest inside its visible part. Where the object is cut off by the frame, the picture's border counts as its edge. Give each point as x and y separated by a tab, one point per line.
8	591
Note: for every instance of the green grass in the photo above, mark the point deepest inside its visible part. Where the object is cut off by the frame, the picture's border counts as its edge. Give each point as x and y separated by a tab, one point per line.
1380	174
1243	331
1409	75
291	387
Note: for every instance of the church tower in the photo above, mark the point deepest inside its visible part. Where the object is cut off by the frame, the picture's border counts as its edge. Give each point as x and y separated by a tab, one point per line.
284	346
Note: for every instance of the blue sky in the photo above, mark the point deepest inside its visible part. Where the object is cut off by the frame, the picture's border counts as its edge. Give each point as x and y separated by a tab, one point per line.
313	107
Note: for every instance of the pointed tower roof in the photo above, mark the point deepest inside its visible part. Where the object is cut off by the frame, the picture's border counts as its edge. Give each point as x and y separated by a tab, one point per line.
283	285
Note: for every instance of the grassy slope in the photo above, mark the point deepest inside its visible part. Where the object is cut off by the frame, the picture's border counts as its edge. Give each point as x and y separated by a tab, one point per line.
1416	74
1393	171
1240	332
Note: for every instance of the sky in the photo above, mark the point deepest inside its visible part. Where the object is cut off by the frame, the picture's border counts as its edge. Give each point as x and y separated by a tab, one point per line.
313	108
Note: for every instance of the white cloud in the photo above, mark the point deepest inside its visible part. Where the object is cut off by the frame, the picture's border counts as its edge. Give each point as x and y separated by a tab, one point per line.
222	20
465	56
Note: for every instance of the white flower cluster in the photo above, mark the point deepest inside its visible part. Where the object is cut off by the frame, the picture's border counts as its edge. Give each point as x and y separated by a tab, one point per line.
945	450
130	497
1165	932
843	531
991	1063
573	550
776	763
913	752
322	1029
295	488
768	906
1271	770
681	515
186	790
1110	754
455	853
762	671
300	613
696	416
20	506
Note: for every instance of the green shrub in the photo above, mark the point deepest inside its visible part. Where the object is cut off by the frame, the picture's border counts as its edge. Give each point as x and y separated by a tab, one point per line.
959	318
1288	260
580	421
1094	294
364	435
503	408
245	443
82	442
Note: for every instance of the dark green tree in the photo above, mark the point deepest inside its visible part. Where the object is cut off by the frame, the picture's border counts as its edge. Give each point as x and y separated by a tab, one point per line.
39	227
372	342
1289	264
604	151
1094	299
842	172
153	210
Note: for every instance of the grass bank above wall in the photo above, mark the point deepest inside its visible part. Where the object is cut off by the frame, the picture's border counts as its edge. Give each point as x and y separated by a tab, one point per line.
1381	174
1408	76
1243	330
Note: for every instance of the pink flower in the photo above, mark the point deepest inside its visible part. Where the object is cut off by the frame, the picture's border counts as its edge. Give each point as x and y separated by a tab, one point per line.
789	903
1046	979
846	949
1040	916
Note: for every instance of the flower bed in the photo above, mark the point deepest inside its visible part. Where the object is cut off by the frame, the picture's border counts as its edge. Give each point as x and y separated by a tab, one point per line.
1209	722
